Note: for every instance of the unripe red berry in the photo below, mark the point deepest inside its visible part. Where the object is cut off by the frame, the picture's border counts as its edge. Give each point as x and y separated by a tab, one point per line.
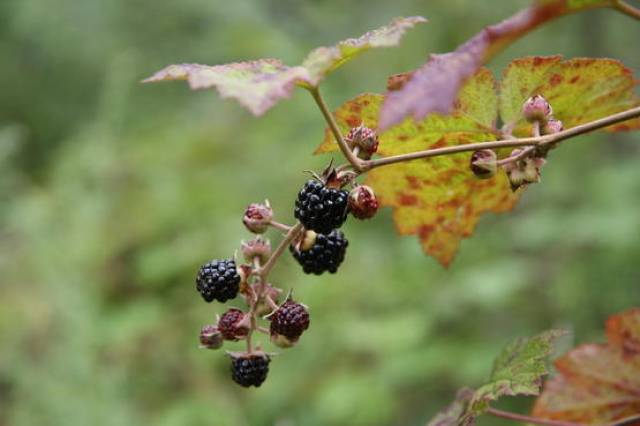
363	203
288	323
257	217
484	163
365	139
536	108
258	247
552	126
231	325
210	337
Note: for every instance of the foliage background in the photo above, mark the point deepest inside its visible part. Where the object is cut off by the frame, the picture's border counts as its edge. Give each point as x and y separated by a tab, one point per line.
113	193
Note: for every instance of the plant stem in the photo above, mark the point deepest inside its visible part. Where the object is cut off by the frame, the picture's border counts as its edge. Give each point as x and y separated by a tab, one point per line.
627	9
280	226
511	143
328	116
291	235
529	419
627	421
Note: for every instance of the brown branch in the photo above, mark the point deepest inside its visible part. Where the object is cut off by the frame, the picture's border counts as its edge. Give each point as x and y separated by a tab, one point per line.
510	143
529	419
269	264
328	116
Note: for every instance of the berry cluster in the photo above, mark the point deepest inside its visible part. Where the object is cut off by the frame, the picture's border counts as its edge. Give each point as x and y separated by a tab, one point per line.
523	165
322	206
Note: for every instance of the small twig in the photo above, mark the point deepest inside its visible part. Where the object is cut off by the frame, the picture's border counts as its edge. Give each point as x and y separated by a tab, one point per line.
328	116
264	330
511	143
627	421
280	226
272	304
627	9
291	235
529	419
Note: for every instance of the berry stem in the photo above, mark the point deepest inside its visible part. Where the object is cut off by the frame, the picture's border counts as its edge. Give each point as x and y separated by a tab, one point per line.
280	226
627	9
263	272
328	116
510	143
272	304
529	419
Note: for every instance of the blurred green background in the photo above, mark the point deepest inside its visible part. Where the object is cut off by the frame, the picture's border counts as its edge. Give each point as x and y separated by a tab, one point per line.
112	193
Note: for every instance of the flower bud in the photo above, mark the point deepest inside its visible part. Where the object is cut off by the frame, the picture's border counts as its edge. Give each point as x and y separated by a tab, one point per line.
524	171
363	203
484	163
536	108
552	126
210	337
257	217
365	139
258	247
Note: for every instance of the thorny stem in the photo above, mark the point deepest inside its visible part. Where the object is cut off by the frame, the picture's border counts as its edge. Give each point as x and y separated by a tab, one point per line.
328	116
529	419
511	143
627	9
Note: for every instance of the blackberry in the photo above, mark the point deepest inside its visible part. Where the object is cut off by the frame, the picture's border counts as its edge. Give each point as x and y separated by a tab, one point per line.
249	369
218	280
289	320
228	325
321	208
318	253
210	337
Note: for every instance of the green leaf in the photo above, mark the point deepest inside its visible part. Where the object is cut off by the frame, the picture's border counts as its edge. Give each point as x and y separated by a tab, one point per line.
324	60
518	370
258	85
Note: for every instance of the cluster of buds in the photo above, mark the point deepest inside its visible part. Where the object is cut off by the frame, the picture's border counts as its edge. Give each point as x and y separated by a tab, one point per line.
523	165
538	111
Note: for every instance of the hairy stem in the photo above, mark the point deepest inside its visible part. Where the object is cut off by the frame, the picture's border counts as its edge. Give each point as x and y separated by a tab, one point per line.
291	235
627	9
510	143
328	116
529	419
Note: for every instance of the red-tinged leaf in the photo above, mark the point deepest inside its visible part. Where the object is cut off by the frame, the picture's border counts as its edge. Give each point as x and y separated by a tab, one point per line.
324	60
597	383
257	85
434	86
579	90
438	199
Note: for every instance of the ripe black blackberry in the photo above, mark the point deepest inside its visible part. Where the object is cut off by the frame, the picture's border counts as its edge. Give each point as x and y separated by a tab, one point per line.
318	253
289	320
249	369
218	280
229	325
321	208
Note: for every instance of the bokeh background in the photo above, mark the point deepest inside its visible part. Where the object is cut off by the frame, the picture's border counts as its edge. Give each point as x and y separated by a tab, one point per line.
112	193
